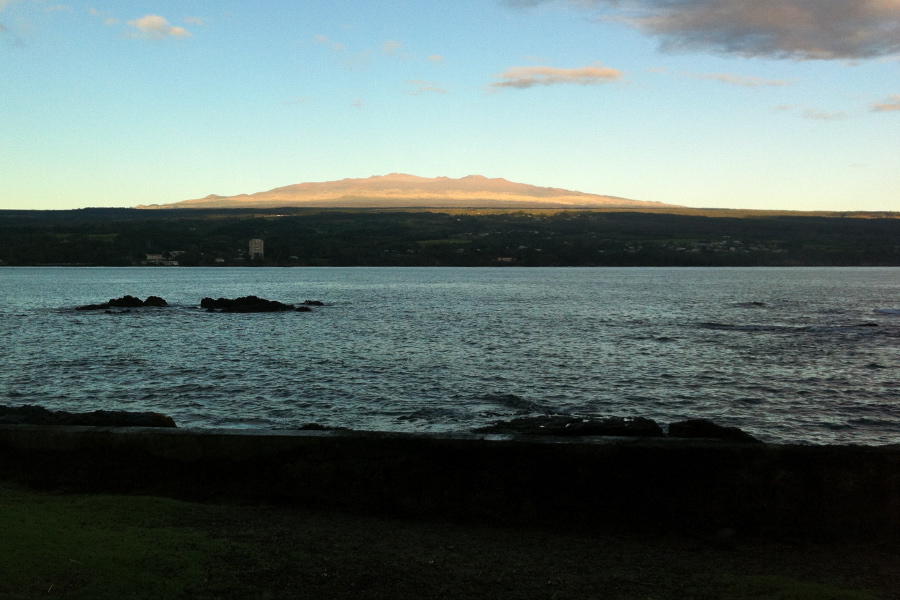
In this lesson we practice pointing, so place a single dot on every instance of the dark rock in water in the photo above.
(561, 425)
(38, 415)
(126, 301)
(313, 303)
(704, 428)
(244, 304)
(304, 309)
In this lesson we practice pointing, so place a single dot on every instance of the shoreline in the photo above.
(600, 484)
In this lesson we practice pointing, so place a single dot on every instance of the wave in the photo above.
(888, 311)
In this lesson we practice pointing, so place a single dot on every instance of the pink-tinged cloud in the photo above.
(154, 26)
(739, 80)
(526, 77)
(795, 29)
(435, 58)
(889, 105)
(424, 87)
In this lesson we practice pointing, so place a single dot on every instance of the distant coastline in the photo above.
(460, 237)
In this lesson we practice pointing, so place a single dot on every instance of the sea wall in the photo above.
(601, 484)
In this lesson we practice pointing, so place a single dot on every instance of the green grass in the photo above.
(98, 547)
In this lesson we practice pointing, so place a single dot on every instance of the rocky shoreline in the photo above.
(543, 425)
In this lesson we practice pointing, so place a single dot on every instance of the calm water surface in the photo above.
(791, 355)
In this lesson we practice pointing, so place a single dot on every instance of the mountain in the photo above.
(401, 190)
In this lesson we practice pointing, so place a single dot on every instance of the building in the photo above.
(256, 249)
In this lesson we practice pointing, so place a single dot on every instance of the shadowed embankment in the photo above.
(591, 483)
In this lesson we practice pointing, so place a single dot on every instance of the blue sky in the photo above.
(771, 104)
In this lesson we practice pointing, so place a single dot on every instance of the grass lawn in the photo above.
(96, 547)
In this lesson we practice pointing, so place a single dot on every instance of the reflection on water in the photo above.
(787, 354)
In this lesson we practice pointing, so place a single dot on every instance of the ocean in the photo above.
(790, 355)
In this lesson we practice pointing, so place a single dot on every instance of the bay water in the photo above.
(791, 355)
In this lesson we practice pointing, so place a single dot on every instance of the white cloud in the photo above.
(889, 105)
(526, 77)
(796, 29)
(154, 26)
(739, 80)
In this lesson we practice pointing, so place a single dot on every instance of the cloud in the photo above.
(526, 77)
(325, 41)
(154, 26)
(740, 80)
(5, 3)
(194, 21)
(357, 103)
(3, 28)
(795, 29)
(823, 115)
(435, 58)
(808, 112)
(59, 8)
(888, 105)
(392, 48)
(424, 87)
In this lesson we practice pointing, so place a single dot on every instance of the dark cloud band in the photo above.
(797, 29)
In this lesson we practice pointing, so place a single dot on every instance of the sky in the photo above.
(769, 104)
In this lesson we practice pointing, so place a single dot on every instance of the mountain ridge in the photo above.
(397, 190)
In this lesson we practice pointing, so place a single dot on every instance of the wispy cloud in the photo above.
(419, 87)
(3, 28)
(890, 104)
(808, 112)
(526, 77)
(796, 29)
(739, 80)
(326, 41)
(154, 26)
(59, 8)
(357, 103)
(194, 21)
(4, 4)
(392, 48)
(107, 18)
(436, 58)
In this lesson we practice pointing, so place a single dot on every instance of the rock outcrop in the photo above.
(30, 414)
(566, 426)
(704, 428)
(244, 304)
(126, 301)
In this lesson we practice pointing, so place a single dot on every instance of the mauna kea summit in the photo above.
(401, 190)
